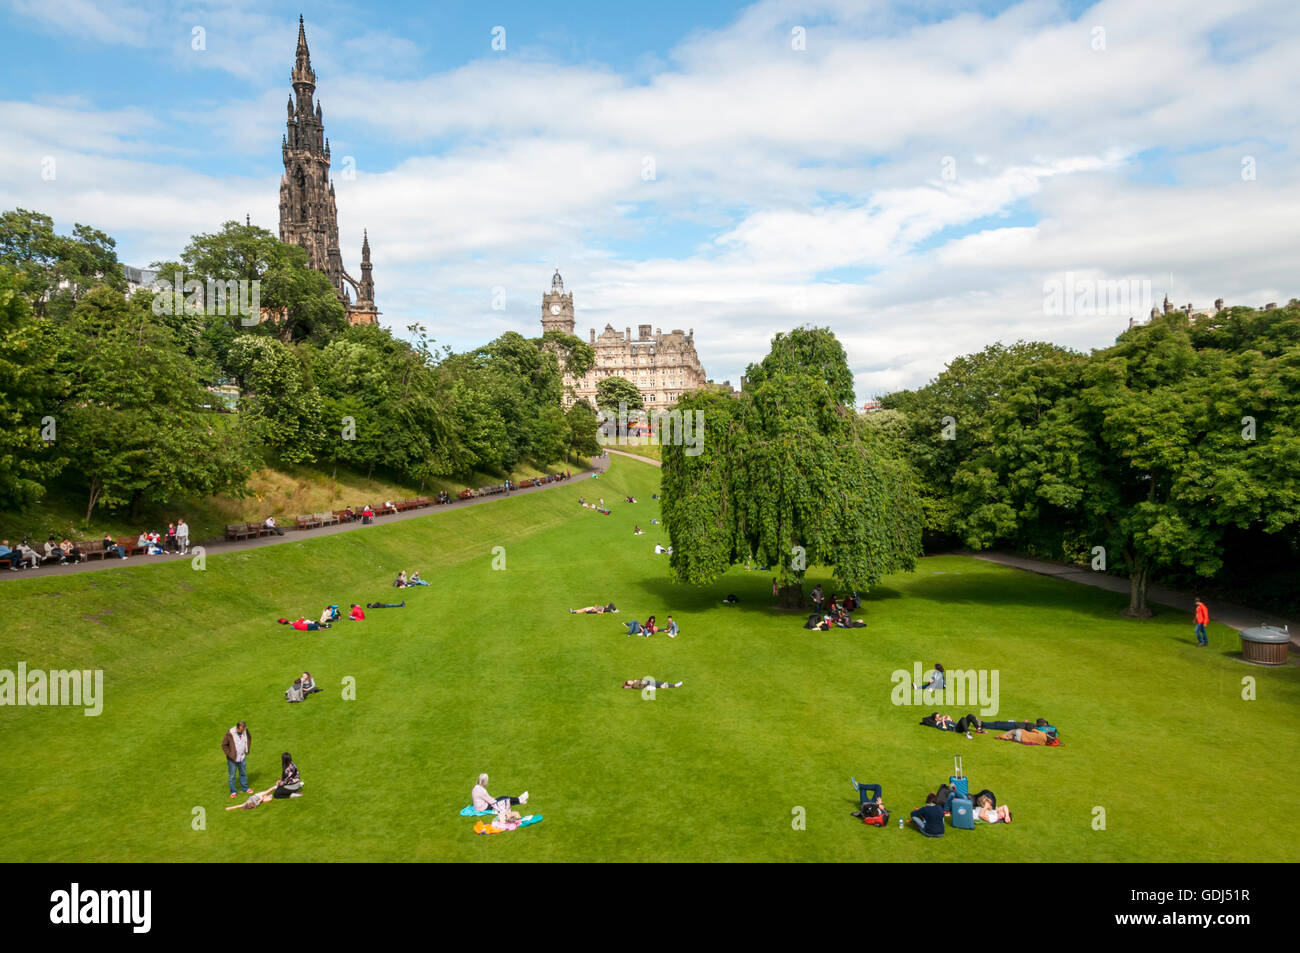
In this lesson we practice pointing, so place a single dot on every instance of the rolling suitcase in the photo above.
(963, 813)
(958, 781)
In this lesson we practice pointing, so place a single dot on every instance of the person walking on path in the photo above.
(1202, 619)
(236, 745)
(182, 536)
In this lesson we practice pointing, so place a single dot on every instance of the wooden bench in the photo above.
(238, 531)
(307, 522)
(91, 548)
(327, 519)
(341, 516)
(131, 544)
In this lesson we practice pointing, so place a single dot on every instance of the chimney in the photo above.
(593, 335)
(627, 335)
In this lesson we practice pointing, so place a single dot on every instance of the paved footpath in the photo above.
(1239, 617)
(213, 547)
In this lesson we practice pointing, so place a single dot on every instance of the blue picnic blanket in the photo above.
(468, 811)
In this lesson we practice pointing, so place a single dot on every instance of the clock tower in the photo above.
(557, 307)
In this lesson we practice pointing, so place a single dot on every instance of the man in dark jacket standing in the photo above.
(236, 746)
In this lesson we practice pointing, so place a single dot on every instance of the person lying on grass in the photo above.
(482, 801)
(303, 624)
(386, 605)
(289, 785)
(649, 682)
(1029, 737)
(961, 726)
(989, 811)
(594, 610)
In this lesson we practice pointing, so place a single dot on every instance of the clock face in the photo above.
(555, 309)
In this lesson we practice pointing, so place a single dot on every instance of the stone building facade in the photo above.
(661, 366)
(308, 216)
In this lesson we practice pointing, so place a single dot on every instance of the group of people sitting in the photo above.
(328, 617)
(929, 818)
(598, 507)
(402, 582)
(650, 627)
(301, 688)
(25, 556)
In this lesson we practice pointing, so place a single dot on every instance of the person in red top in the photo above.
(1202, 619)
(356, 615)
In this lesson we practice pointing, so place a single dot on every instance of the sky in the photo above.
(923, 178)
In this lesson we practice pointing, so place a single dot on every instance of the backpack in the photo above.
(813, 621)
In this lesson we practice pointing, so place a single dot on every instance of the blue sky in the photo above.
(910, 174)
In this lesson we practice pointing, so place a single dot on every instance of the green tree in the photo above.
(29, 392)
(277, 401)
(790, 476)
(57, 270)
(612, 392)
(131, 424)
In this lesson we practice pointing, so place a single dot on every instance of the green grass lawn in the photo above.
(486, 671)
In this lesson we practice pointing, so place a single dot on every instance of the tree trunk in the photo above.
(135, 505)
(94, 497)
(1137, 602)
(790, 597)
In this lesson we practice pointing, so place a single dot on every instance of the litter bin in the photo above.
(1265, 644)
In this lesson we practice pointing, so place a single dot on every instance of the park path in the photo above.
(216, 546)
(1238, 617)
(636, 456)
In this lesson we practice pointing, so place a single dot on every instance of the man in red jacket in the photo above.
(1202, 619)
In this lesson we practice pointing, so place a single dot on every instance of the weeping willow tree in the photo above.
(789, 475)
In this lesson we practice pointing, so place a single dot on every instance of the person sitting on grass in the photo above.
(648, 682)
(294, 692)
(415, 580)
(308, 685)
(400, 581)
(289, 785)
(630, 499)
(385, 605)
(594, 610)
(637, 531)
(650, 626)
(929, 819)
(482, 801)
(671, 628)
(936, 679)
(329, 614)
(989, 811)
(357, 614)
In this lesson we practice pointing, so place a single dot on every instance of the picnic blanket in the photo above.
(468, 811)
(482, 827)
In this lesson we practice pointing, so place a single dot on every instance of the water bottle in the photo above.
(900, 823)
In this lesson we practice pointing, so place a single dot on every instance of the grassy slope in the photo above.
(287, 492)
(486, 671)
